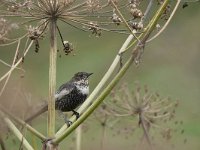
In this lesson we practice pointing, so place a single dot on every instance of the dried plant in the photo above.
(150, 109)
(106, 121)
(39, 18)
(88, 15)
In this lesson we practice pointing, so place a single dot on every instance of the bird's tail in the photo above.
(36, 114)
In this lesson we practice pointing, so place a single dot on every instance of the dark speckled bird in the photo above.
(69, 96)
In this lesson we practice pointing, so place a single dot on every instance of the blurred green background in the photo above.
(170, 66)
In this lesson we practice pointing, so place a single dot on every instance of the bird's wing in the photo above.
(64, 90)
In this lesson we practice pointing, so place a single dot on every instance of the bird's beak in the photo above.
(89, 74)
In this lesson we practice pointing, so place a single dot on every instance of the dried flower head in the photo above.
(150, 108)
(93, 5)
(68, 47)
(136, 2)
(94, 27)
(5, 28)
(88, 15)
(136, 13)
(34, 33)
(116, 19)
(136, 25)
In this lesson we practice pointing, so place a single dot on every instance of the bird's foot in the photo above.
(68, 122)
(76, 114)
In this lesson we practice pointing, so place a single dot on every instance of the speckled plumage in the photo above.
(69, 95)
(71, 100)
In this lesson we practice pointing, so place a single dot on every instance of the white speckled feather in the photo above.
(83, 89)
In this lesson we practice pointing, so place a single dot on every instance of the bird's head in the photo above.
(81, 76)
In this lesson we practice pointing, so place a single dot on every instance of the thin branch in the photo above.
(142, 21)
(124, 20)
(21, 122)
(22, 141)
(17, 133)
(103, 138)
(60, 35)
(2, 143)
(61, 134)
(147, 11)
(14, 60)
(190, 1)
(17, 63)
(101, 83)
(94, 105)
(32, 20)
(101, 28)
(6, 64)
(76, 7)
(13, 40)
(145, 130)
(167, 22)
(62, 19)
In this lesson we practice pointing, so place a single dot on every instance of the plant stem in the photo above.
(103, 138)
(101, 83)
(100, 98)
(124, 20)
(78, 137)
(2, 143)
(107, 90)
(105, 78)
(167, 22)
(33, 142)
(52, 78)
(145, 130)
(17, 63)
(17, 133)
(13, 128)
(22, 123)
(13, 63)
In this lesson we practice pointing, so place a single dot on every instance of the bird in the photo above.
(69, 96)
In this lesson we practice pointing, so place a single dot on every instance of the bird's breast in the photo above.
(83, 89)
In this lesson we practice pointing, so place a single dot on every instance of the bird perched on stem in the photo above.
(69, 96)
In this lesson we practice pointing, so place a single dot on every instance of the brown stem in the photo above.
(2, 143)
(52, 78)
(103, 137)
(145, 130)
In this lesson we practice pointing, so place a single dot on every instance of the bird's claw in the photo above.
(76, 114)
(69, 123)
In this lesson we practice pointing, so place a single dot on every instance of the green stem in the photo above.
(107, 90)
(2, 143)
(52, 79)
(101, 83)
(102, 96)
(17, 133)
(105, 78)
(124, 20)
(22, 123)
(79, 137)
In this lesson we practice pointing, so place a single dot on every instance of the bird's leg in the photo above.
(76, 114)
(67, 121)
